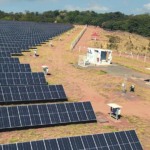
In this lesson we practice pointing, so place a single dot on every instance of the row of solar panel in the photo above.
(5, 54)
(10, 53)
(14, 49)
(23, 78)
(38, 33)
(20, 36)
(27, 35)
(15, 68)
(28, 38)
(4, 46)
(20, 75)
(22, 48)
(35, 29)
(31, 93)
(45, 115)
(27, 43)
(123, 140)
(9, 60)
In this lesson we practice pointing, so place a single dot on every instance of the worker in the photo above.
(35, 52)
(110, 58)
(123, 88)
(50, 44)
(132, 88)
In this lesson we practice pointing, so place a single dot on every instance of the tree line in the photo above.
(139, 24)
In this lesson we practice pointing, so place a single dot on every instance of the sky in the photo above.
(100, 6)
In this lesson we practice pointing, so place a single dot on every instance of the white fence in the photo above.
(73, 44)
(144, 58)
(82, 60)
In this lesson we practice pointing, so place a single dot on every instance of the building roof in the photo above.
(94, 34)
(114, 105)
(98, 49)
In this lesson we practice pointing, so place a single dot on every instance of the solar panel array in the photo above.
(45, 115)
(21, 36)
(5, 54)
(124, 140)
(15, 67)
(20, 85)
(31, 93)
(10, 50)
(9, 60)
(16, 37)
(22, 78)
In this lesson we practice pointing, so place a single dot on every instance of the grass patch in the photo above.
(110, 128)
(13, 140)
(54, 132)
(101, 72)
(132, 64)
(142, 127)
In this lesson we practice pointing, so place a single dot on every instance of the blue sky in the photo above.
(100, 6)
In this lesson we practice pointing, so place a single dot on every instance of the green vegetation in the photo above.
(101, 72)
(113, 41)
(132, 64)
(139, 24)
(141, 126)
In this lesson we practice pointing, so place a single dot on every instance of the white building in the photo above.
(99, 56)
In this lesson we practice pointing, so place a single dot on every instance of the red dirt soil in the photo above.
(75, 81)
(84, 84)
(131, 107)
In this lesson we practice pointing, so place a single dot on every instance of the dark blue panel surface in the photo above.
(15, 67)
(39, 115)
(29, 93)
(87, 142)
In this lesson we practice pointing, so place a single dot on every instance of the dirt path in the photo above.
(137, 108)
(82, 84)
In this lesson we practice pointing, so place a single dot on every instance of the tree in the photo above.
(139, 24)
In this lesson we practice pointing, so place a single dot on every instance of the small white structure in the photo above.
(45, 69)
(50, 44)
(83, 62)
(99, 56)
(115, 110)
(35, 52)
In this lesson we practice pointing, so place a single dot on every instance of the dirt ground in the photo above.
(87, 84)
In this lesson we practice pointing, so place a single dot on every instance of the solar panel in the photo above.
(45, 115)
(31, 93)
(5, 54)
(10, 50)
(19, 36)
(124, 140)
(15, 68)
(22, 78)
(9, 60)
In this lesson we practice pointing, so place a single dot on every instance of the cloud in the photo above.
(144, 9)
(3, 1)
(93, 7)
(71, 8)
(147, 7)
(10, 1)
(98, 8)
